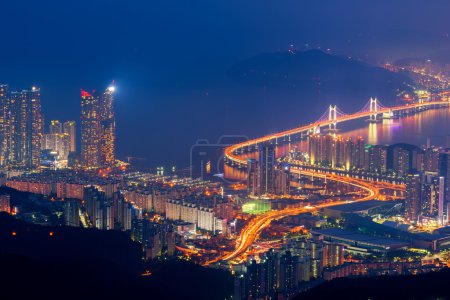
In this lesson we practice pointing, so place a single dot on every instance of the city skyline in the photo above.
(158, 69)
(225, 150)
(24, 135)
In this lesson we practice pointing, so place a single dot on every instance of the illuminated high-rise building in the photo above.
(432, 202)
(69, 128)
(108, 128)
(4, 123)
(12, 108)
(401, 161)
(417, 160)
(35, 120)
(328, 150)
(431, 160)
(267, 168)
(441, 191)
(253, 180)
(315, 252)
(333, 254)
(377, 160)
(333, 151)
(339, 152)
(24, 129)
(413, 197)
(322, 149)
(282, 182)
(261, 176)
(349, 154)
(94, 201)
(90, 130)
(314, 149)
(58, 142)
(21, 127)
(444, 170)
(71, 212)
(359, 153)
(55, 127)
(98, 129)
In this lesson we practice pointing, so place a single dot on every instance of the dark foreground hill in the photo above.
(426, 286)
(75, 263)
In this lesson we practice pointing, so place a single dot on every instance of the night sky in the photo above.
(170, 58)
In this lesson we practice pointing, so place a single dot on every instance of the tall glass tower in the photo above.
(98, 129)
(90, 130)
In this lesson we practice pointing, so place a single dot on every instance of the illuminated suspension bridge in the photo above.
(373, 110)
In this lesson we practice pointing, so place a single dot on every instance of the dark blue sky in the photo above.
(170, 57)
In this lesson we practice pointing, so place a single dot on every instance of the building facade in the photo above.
(97, 129)
(69, 128)
(21, 128)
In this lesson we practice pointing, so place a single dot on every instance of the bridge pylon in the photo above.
(332, 117)
(373, 109)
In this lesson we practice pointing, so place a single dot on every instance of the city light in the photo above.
(328, 166)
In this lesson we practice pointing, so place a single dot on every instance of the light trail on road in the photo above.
(254, 228)
(250, 233)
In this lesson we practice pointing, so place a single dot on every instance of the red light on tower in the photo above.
(85, 94)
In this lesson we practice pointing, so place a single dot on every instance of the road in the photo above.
(249, 234)
(254, 228)
(231, 152)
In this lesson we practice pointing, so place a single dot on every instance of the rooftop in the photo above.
(361, 206)
(353, 236)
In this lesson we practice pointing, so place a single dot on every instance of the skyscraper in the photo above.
(21, 127)
(69, 128)
(71, 212)
(58, 142)
(401, 161)
(413, 197)
(377, 159)
(314, 149)
(98, 129)
(253, 180)
(4, 127)
(282, 182)
(333, 254)
(441, 190)
(55, 127)
(339, 152)
(35, 127)
(90, 130)
(267, 168)
(431, 160)
(444, 170)
(108, 128)
(359, 153)
(432, 202)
